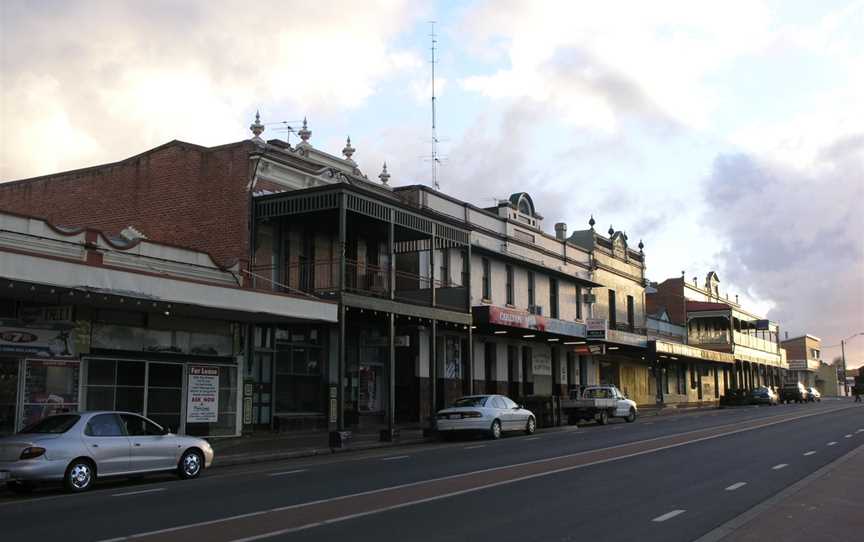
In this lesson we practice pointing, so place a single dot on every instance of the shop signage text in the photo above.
(202, 404)
(541, 365)
(45, 342)
(514, 318)
(595, 328)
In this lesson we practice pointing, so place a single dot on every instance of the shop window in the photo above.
(50, 387)
(115, 385)
(298, 381)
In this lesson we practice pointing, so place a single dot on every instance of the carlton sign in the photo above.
(502, 316)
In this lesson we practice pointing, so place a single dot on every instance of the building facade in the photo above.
(804, 356)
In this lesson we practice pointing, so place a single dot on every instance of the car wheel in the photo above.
(602, 417)
(20, 488)
(190, 465)
(495, 430)
(631, 416)
(531, 426)
(80, 475)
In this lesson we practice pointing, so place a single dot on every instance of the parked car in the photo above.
(796, 393)
(764, 396)
(814, 395)
(78, 448)
(489, 414)
(599, 403)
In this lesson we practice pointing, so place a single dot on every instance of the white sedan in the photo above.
(490, 414)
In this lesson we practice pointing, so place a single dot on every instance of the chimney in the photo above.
(736, 299)
(561, 231)
(696, 281)
(787, 335)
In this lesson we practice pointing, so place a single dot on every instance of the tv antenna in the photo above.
(436, 161)
(285, 126)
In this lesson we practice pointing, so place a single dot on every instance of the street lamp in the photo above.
(843, 356)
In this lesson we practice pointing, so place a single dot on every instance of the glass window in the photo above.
(100, 372)
(497, 402)
(165, 375)
(104, 425)
(136, 426)
(53, 424)
(553, 298)
(508, 402)
(613, 311)
(130, 373)
(471, 401)
(509, 284)
(578, 303)
(487, 279)
(531, 300)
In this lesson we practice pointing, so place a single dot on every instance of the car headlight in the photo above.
(32, 452)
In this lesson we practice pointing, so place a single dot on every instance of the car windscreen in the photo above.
(53, 424)
(470, 402)
(597, 393)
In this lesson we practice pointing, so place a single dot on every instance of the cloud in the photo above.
(86, 82)
(795, 235)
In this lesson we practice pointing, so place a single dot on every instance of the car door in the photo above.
(107, 443)
(622, 407)
(151, 448)
(518, 415)
(502, 413)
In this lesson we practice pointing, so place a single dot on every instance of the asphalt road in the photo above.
(670, 478)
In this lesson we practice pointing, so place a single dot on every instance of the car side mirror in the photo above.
(166, 430)
(517, 407)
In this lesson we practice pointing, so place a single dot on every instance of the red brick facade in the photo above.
(178, 193)
(669, 295)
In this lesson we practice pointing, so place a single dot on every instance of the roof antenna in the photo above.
(435, 159)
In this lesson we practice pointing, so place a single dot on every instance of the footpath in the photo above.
(826, 505)
(264, 447)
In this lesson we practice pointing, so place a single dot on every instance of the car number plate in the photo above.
(4, 474)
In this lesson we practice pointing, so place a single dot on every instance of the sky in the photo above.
(728, 136)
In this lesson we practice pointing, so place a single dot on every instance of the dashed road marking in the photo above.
(392, 458)
(296, 471)
(533, 438)
(138, 492)
(811, 452)
(780, 466)
(668, 515)
(832, 443)
(847, 436)
(735, 486)
(474, 447)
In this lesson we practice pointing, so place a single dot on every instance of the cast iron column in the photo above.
(340, 394)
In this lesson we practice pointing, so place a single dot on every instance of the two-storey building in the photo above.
(804, 357)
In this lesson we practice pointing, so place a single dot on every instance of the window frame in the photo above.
(487, 278)
(509, 286)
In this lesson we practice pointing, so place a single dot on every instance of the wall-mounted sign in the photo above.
(541, 365)
(595, 328)
(202, 396)
(503, 316)
(44, 342)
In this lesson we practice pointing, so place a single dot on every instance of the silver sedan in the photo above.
(75, 448)
(490, 414)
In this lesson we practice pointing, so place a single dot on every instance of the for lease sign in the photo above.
(202, 396)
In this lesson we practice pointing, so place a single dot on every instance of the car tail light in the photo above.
(32, 452)
(472, 414)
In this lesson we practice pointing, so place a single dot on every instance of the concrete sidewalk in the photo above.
(278, 446)
(826, 505)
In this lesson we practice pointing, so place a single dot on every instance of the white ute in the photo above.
(599, 403)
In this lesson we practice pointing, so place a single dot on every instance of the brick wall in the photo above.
(177, 193)
(670, 294)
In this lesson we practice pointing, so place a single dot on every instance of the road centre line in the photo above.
(811, 452)
(832, 443)
(668, 515)
(138, 492)
(532, 438)
(394, 457)
(735, 429)
(296, 471)
(736, 485)
(780, 466)
(847, 436)
(474, 447)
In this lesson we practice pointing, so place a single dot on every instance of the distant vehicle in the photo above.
(77, 448)
(492, 415)
(794, 393)
(814, 395)
(599, 403)
(764, 396)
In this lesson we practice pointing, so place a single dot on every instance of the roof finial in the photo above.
(384, 176)
(348, 151)
(591, 222)
(305, 133)
(611, 230)
(641, 245)
(256, 127)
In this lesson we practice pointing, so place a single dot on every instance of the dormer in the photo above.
(520, 208)
(712, 283)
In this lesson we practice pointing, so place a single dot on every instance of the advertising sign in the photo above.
(202, 405)
(43, 342)
(514, 318)
(541, 365)
(595, 328)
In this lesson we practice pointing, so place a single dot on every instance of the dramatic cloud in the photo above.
(85, 82)
(794, 236)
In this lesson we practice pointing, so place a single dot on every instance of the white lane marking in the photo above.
(392, 458)
(774, 421)
(811, 452)
(780, 466)
(860, 431)
(138, 492)
(287, 472)
(533, 438)
(668, 515)
(474, 447)
(847, 436)
(735, 486)
(832, 443)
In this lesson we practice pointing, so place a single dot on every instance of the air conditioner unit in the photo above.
(536, 309)
(589, 298)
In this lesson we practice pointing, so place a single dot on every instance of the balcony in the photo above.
(756, 343)
(718, 338)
